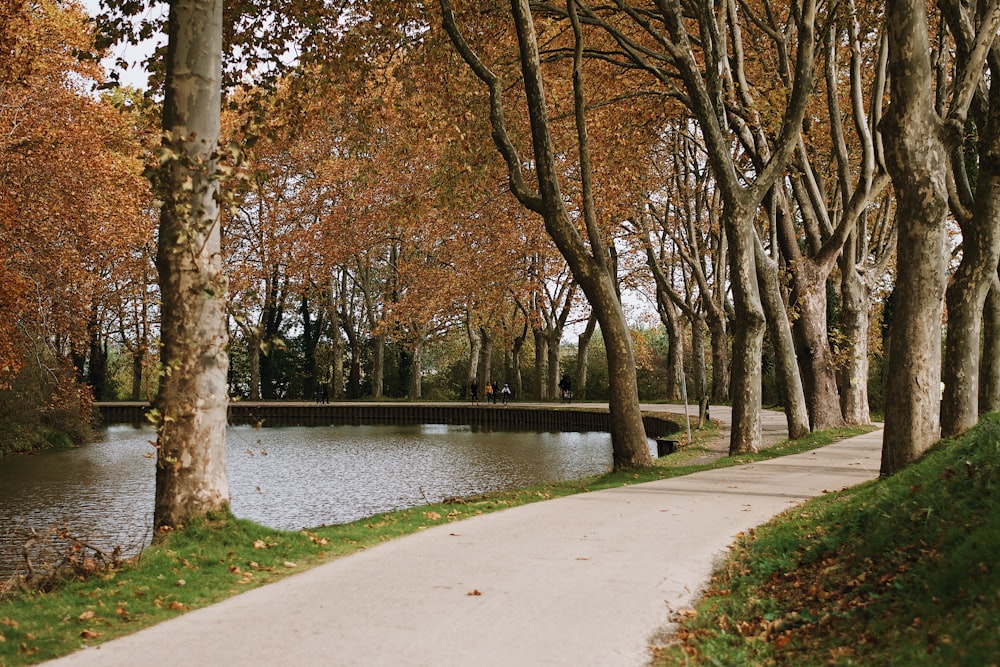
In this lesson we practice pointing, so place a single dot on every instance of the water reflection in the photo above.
(284, 477)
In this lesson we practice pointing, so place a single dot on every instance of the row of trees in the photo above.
(730, 163)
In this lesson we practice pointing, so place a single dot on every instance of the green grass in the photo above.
(223, 556)
(899, 571)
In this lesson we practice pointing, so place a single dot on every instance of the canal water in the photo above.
(282, 477)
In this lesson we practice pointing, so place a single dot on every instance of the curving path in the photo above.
(590, 579)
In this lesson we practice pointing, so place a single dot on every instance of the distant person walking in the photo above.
(566, 388)
(488, 392)
(474, 392)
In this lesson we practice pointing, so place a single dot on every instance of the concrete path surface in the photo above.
(590, 579)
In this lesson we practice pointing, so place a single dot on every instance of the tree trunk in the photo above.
(796, 413)
(192, 401)
(485, 358)
(378, 367)
(552, 350)
(582, 349)
(854, 321)
(335, 373)
(698, 376)
(138, 356)
(515, 366)
(253, 358)
(917, 160)
(587, 259)
(819, 380)
(311, 332)
(475, 346)
(675, 347)
(719, 338)
(989, 361)
(748, 333)
(967, 290)
(540, 392)
(417, 370)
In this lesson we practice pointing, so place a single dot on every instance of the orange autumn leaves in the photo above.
(69, 183)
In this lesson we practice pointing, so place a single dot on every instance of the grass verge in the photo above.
(898, 571)
(223, 556)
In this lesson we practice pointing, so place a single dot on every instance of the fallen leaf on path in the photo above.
(475, 591)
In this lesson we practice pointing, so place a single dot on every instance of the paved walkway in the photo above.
(590, 579)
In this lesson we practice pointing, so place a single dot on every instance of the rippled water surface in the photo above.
(283, 477)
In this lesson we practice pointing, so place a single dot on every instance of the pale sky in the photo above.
(134, 55)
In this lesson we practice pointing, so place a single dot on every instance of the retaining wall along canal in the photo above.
(514, 417)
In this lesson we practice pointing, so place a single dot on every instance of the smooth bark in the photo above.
(796, 413)
(193, 397)
(917, 160)
(989, 361)
(586, 256)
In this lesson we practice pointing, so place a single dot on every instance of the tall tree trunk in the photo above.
(967, 290)
(917, 160)
(336, 370)
(819, 380)
(854, 321)
(485, 357)
(417, 370)
(540, 390)
(475, 347)
(193, 400)
(253, 357)
(796, 413)
(989, 361)
(699, 378)
(582, 349)
(515, 365)
(552, 365)
(719, 338)
(378, 366)
(312, 377)
(587, 257)
(675, 346)
(97, 371)
(138, 356)
(748, 333)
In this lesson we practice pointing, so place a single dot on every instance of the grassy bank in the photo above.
(900, 571)
(223, 556)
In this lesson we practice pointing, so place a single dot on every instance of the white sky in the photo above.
(134, 55)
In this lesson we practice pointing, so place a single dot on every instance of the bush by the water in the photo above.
(43, 409)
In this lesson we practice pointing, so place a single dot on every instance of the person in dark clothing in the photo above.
(565, 388)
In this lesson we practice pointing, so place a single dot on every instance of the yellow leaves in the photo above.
(433, 516)
(316, 539)
(85, 616)
(89, 634)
